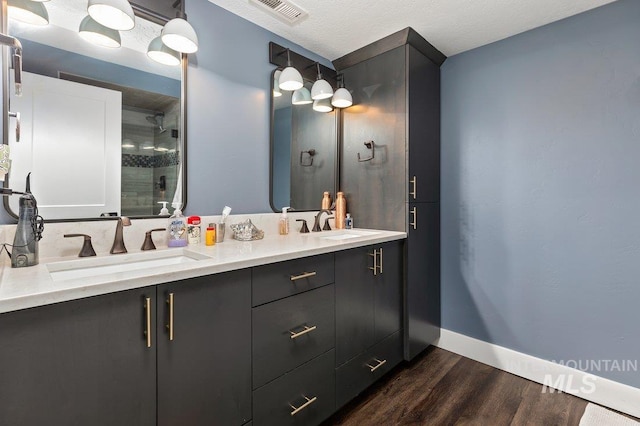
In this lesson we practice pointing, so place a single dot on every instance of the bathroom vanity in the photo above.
(285, 330)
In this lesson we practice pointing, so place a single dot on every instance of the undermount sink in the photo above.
(96, 266)
(345, 234)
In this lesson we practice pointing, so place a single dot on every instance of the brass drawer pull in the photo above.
(170, 325)
(309, 401)
(303, 275)
(414, 223)
(306, 330)
(374, 268)
(147, 331)
(380, 364)
(414, 192)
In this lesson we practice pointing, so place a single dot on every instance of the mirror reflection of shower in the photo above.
(150, 153)
(157, 120)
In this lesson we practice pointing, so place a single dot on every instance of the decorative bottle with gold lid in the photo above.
(341, 210)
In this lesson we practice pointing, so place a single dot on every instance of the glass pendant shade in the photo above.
(342, 98)
(322, 105)
(180, 36)
(98, 34)
(321, 89)
(276, 90)
(114, 14)
(301, 97)
(163, 54)
(290, 79)
(27, 11)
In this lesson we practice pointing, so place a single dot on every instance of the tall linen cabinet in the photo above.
(390, 164)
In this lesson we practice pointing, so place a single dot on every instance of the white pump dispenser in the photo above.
(283, 223)
(164, 210)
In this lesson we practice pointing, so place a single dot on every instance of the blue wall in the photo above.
(228, 112)
(541, 190)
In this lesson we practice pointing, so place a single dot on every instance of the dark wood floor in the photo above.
(443, 388)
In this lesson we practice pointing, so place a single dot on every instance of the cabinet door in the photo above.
(204, 373)
(84, 362)
(422, 285)
(378, 85)
(423, 92)
(388, 290)
(354, 303)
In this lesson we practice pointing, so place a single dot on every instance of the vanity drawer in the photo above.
(305, 396)
(362, 371)
(289, 332)
(278, 280)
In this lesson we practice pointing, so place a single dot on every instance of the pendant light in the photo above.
(178, 34)
(98, 34)
(342, 97)
(322, 105)
(27, 11)
(301, 97)
(114, 14)
(276, 90)
(161, 53)
(321, 89)
(290, 79)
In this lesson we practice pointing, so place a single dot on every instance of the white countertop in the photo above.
(22, 288)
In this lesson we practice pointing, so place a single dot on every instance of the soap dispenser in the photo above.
(283, 223)
(164, 211)
(177, 228)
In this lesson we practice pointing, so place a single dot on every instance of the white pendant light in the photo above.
(114, 14)
(322, 105)
(301, 97)
(27, 11)
(290, 79)
(321, 89)
(178, 34)
(276, 90)
(342, 97)
(161, 53)
(98, 34)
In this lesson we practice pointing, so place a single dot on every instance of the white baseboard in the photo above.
(606, 392)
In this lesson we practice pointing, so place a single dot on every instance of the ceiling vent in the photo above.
(283, 10)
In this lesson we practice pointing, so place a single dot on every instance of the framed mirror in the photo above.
(101, 130)
(304, 147)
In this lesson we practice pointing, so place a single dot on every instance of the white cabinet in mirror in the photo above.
(101, 129)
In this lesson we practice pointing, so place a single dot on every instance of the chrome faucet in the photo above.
(118, 240)
(316, 224)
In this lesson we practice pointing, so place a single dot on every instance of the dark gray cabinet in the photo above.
(204, 350)
(109, 359)
(83, 362)
(422, 295)
(302, 397)
(368, 316)
(195, 352)
(368, 297)
(396, 88)
(289, 332)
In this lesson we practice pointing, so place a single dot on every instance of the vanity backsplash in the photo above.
(54, 245)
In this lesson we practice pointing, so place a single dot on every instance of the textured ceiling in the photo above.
(337, 27)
